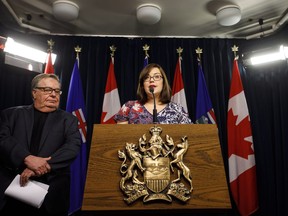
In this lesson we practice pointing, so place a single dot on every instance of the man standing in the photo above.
(38, 142)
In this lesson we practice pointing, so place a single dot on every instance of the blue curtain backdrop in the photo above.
(265, 87)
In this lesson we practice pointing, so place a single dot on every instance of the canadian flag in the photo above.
(111, 103)
(49, 69)
(241, 158)
(178, 92)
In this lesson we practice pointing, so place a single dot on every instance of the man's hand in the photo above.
(25, 176)
(39, 165)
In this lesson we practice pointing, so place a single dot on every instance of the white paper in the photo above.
(42, 185)
(33, 193)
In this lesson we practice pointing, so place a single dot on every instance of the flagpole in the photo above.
(50, 44)
(179, 51)
(146, 49)
(112, 49)
(78, 50)
(235, 50)
(198, 52)
(49, 66)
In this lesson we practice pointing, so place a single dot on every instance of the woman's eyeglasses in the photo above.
(156, 77)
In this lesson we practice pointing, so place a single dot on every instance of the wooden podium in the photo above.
(204, 159)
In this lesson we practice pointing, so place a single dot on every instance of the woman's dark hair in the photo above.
(165, 95)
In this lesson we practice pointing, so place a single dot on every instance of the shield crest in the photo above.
(157, 173)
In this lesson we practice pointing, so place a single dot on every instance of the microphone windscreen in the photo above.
(151, 89)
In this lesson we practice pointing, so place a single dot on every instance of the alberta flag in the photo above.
(204, 109)
(145, 61)
(241, 157)
(178, 92)
(76, 106)
(111, 103)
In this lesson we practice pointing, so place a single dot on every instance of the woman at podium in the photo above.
(153, 104)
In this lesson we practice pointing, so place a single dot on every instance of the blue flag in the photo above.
(145, 61)
(204, 109)
(76, 106)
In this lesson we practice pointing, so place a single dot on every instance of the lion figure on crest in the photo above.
(128, 171)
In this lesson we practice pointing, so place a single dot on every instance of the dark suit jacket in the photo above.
(60, 139)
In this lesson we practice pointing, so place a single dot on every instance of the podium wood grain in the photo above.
(204, 158)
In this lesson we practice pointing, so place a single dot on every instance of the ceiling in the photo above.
(180, 18)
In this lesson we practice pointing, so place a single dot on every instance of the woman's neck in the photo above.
(151, 101)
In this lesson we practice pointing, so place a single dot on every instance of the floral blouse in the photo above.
(135, 113)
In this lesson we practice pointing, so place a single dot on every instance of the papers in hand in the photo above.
(33, 193)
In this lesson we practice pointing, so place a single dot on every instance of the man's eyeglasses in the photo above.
(156, 77)
(48, 90)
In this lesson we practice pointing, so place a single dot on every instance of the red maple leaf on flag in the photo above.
(243, 148)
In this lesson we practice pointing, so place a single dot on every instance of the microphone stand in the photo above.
(155, 121)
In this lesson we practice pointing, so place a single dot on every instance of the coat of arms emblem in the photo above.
(147, 167)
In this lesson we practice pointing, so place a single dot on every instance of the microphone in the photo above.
(155, 121)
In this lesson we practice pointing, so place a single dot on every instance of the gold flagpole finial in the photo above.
(113, 49)
(146, 48)
(198, 52)
(77, 50)
(235, 50)
(50, 44)
(179, 51)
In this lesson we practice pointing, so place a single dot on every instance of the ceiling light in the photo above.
(148, 14)
(65, 10)
(228, 15)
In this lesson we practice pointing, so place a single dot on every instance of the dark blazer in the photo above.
(60, 139)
